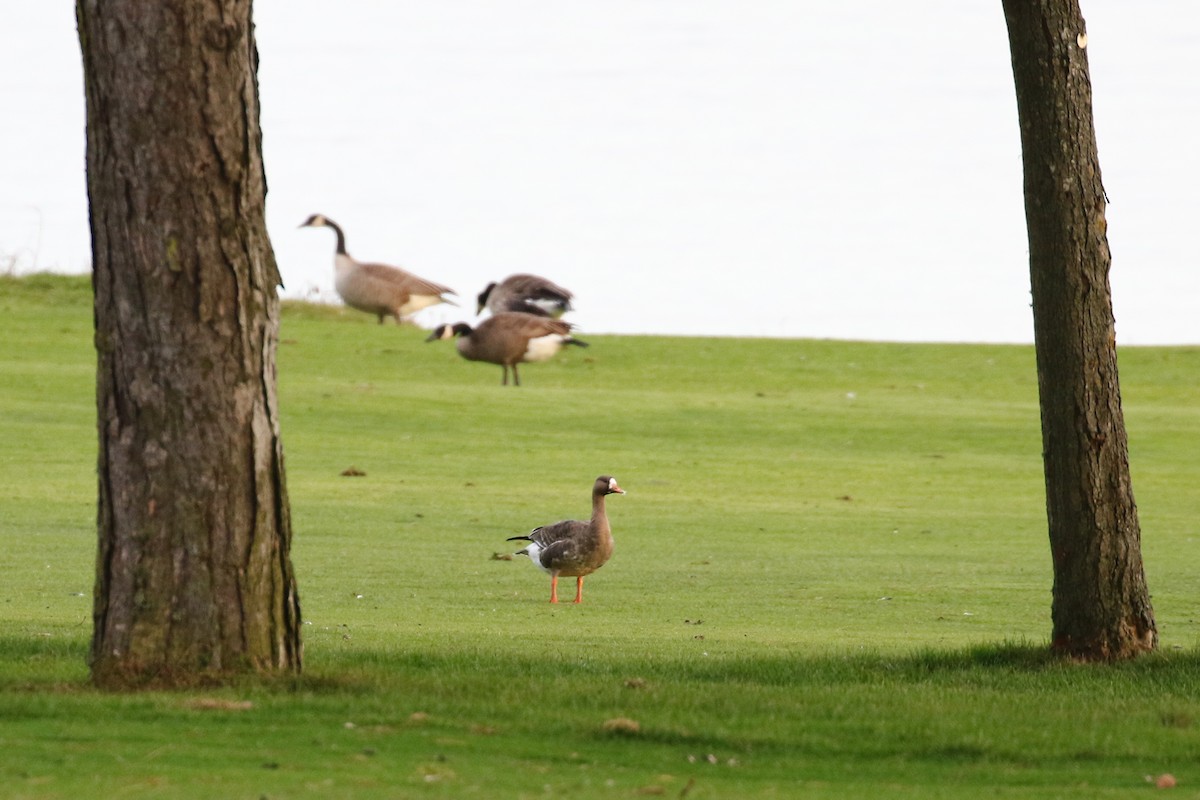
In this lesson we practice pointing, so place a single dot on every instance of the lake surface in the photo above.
(685, 166)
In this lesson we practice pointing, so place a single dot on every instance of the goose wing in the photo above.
(403, 279)
(537, 292)
(559, 543)
(528, 326)
(565, 531)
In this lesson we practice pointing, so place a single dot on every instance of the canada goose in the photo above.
(508, 339)
(574, 547)
(532, 294)
(377, 288)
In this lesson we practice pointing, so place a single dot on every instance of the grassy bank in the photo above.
(831, 579)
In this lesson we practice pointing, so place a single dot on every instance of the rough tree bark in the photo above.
(1101, 606)
(193, 573)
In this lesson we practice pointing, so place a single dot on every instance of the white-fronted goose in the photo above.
(574, 547)
(378, 288)
(508, 339)
(532, 294)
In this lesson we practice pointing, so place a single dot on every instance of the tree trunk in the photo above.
(193, 574)
(1101, 606)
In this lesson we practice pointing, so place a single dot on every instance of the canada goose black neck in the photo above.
(483, 297)
(341, 237)
(322, 221)
(447, 331)
(507, 339)
(378, 289)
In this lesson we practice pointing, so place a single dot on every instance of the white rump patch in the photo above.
(418, 301)
(534, 551)
(543, 347)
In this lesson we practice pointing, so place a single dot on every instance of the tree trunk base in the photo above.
(1130, 642)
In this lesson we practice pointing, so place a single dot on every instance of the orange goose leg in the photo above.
(579, 589)
(553, 588)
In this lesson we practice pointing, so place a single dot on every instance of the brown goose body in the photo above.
(574, 548)
(508, 339)
(378, 289)
(532, 294)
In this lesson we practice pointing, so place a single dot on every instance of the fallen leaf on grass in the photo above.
(433, 773)
(621, 726)
(352, 472)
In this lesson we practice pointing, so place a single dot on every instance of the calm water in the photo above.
(686, 166)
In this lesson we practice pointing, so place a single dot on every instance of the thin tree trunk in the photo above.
(1101, 606)
(193, 573)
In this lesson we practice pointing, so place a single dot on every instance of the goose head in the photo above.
(607, 484)
(449, 331)
(317, 221)
(483, 297)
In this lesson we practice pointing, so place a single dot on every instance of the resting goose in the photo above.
(508, 339)
(378, 288)
(574, 547)
(532, 294)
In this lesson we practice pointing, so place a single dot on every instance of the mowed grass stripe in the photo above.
(831, 578)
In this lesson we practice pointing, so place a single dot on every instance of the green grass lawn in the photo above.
(832, 577)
